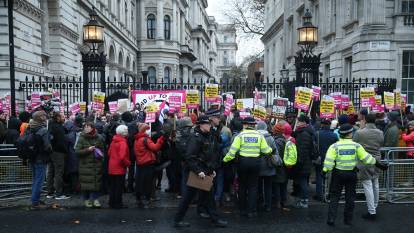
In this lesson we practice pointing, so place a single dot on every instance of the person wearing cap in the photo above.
(372, 139)
(392, 131)
(325, 137)
(341, 158)
(249, 145)
(202, 161)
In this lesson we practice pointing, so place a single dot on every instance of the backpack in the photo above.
(28, 146)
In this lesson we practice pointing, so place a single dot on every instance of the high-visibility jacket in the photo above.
(345, 154)
(290, 155)
(249, 143)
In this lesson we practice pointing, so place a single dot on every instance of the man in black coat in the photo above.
(56, 166)
(304, 136)
(202, 161)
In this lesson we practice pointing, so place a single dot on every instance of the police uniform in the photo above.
(249, 145)
(342, 158)
(199, 157)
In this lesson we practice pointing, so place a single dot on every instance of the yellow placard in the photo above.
(397, 93)
(303, 97)
(98, 97)
(183, 108)
(389, 100)
(82, 106)
(378, 100)
(367, 92)
(327, 107)
(152, 107)
(259, 112)
(192, 97)
(351, 108)
(211, 90)
(239, 104)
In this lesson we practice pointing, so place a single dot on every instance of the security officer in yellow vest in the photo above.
(341, 158)
(248, 146)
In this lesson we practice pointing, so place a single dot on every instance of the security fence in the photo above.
(71, 88)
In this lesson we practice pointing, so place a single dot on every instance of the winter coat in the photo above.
(59, 143)
(304, 145)
(3, 131)
(43, 155)
(72, 162)
(13, 131)
(281, 173)
(324, 139)
(265, 169)
(371, 139)
(90, 169)
(145, 152)
(409, 140)
(391, 135)
(118, 154)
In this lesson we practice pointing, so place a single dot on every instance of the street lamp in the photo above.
(92, 31)
(284, 73)
(308, 34)
(257, 75)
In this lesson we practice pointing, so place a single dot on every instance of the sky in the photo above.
(246, 46)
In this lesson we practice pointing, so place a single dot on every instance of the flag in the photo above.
(164, 108)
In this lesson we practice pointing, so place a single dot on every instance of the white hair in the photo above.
(122, 130)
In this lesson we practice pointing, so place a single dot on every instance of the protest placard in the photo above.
(327, 107)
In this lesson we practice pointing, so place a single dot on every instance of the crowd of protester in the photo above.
(117, 153)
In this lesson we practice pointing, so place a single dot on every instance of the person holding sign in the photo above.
(200, 164)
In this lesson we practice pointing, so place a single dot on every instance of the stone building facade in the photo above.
(227, 48)
(357, 38)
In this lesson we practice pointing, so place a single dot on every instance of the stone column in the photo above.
(45, 26)
(160, 19)
(185, 73)
(182, 29)
(174, 21)
(143, 22)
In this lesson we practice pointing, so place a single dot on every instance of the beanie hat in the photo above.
(278, 128)
(37, 116)
(287, 130)
(393, 116)
(142, 127)
(122, 130)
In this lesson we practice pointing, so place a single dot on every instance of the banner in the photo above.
(145, 97)
(259, 112)
(192, 99)
(113, 106)
(389, 100)
(367, 97)
(327, 107)
(344, 102)
(303, 98)
(211, 91)
(228, 104)
(316, 93)
(397, 94)
(279, 107)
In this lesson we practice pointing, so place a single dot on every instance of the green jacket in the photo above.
(90, 169)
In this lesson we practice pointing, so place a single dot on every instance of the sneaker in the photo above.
(62, 197)
(50, 196)
(302, 204)
(370, 217)
(88, 204)
(97, 204)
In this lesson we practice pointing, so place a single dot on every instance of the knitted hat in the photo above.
(278, 128)
(393, 116)
(142, 127)
(287, 129)
(37, 116)
(122, 130)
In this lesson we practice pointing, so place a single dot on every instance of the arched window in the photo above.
(167, 27)
(151, 25)
(167, 75)
(152, 74)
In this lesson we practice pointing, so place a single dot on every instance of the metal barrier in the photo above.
(15, 177)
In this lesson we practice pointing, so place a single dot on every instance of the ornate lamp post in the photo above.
(306, 63)
(258, 80)
(93, 57)
(284, 74)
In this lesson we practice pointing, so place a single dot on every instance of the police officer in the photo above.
(341, 158)
(200, 159)
(249, 144)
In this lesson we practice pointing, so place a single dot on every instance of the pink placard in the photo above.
(316, 93)
(338, 99)
(113, 106)
(345, 102)
(366, 103)
(327, 115)
(74, 108)
(228, 104)
(175, 102)
(378, 108)
(244, 115)
(150, 117)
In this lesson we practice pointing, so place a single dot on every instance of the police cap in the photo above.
(345, 129)
(203, 120)
(249, 121)
(213, 113)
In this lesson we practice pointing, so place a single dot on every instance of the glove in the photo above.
(201, 175)
(381, 165)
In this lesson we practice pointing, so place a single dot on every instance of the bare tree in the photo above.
(247, 16)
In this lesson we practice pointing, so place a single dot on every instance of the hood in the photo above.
(14, 123)
(287, 129)
(118, 138)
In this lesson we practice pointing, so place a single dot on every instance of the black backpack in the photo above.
(28, 145)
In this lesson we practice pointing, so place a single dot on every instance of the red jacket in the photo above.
(118, 154)
(409, 140)
(145, 154)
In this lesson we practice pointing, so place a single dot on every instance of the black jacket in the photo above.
(304, 145)
(13, 131)
(59, 143)
(42, 141)
(200, 156)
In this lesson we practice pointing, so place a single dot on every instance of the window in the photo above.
(126, 15)
(407, 85)
(167, 75)
(152, 74)
(167, 27)
(132, 22)
(348, 68)
(225, 39)
(151, 25)
(226, 61)
(407, 6)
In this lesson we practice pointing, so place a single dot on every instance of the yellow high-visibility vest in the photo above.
(290, 156)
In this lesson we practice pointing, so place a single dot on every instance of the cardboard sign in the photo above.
(303, 98)
(192, 99)
(316, 93)
(150, 117)
(367, 96)
(242, 104)
(239, 104)
(378, 108)
(327, 107)
(183, 108)
(279, 107)
(175, 102)
(211, 92)
(153, 107)
(259, 112)
(337, 96)
(378, 100)
(198, 183)
(389, 100)
(123, 105)
(113, 106)
(260, 98)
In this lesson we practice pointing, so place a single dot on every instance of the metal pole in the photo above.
(11, 58)
(85, 82)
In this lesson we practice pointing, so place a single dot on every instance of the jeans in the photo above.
(87, 195)
(371, 190)
(302, 182)
(38, 177)
(280, 191)
(55, 173)
(219, 184)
